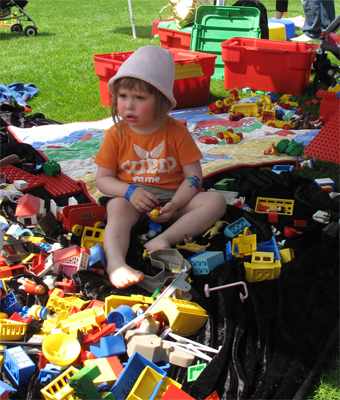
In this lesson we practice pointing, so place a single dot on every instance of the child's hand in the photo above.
(143, 201)
(166, 213)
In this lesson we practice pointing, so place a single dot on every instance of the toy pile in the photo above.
(245, 308)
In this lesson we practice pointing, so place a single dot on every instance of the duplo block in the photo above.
(206, 262)
(19, 365)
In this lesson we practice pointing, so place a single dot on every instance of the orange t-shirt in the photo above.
(153, 160)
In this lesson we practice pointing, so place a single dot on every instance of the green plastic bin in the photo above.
(215, 24)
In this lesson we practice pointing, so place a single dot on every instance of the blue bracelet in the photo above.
(129, 191)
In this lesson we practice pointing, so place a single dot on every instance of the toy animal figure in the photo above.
(215, 229)
(193, 247)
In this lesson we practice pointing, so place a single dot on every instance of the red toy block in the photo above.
(60, 185)
(42, 361)
(300, 222)
(175, 393)
(95, 304)
(329, 105)
(213, 396)
(16, 317)
(273, 217)
(5, 272)
(14, 174)
(115, 364)
(106, 329)
(67, 285)
(326, 143)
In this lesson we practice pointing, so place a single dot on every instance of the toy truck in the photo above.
(229, 136)
(76, 217)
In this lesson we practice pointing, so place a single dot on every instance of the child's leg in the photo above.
(200, 214)
(121, 216)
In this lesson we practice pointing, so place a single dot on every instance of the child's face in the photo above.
(137, 108)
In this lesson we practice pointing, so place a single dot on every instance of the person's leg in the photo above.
(281, 8)
(121, 216)
(200, 214)
(327, 13)
(312, 10)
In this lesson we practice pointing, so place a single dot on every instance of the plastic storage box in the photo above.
(268, 65)
(172, 37)
(193, 71)
(215, 24)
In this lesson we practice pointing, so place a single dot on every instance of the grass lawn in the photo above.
(59, 62)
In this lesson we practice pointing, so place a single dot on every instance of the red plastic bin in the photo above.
(188, 91)
(172, 37)
(268, 65)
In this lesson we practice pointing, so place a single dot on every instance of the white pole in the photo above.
(132, 21)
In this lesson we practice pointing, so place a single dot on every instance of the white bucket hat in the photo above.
(151, 64)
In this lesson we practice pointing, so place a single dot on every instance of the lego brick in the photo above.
(59, 387)
(146, 385)
(108, 346)
(269, 246)
(130, 374)
(14, 174)
(19, 365)
(206, 262)
(60, 185)
(174, 392)
(326, 143)
(282, 168)
(83, 385)
(235, 228)
(9, 304)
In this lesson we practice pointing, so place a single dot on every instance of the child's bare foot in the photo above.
(124, 276)
(157, 243)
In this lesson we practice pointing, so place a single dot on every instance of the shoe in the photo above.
(304, 38)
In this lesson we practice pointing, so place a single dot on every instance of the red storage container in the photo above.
(172, 37)
(268, 65)
(193, 71)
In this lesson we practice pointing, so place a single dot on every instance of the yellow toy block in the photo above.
(247, 109)
(145, 384)
(12, 330)
(84, 321)
(244, 245)
(112, 302)
(92, 236)
(57, 304)
(281, 206)
(2, 349)
(106, 372)
(262, 267)
(165, 386)
(36, 239)
(28, 258)
(287, 255)
(59, 389)
(184, 317)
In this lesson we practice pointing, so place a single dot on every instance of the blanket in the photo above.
(75, 145)
(272, 345)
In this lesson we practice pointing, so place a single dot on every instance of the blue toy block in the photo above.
(128, 377)
(19, 365)
(20, 232)
(121, 316)
(97, 256)
(289, 26)
(270, 247)
(10, 305)
(228, 251)
(5, 388)
(155, 227)
(282, 168)
(206, 262)
(4, 226)
(236, 227)
(109, 345)
(46, 376)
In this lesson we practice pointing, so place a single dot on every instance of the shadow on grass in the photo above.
(15, 35)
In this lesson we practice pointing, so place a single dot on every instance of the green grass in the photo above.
(59, 62)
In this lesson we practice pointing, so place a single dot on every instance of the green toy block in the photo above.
(282, 145)
(225, 184)
(82, 383)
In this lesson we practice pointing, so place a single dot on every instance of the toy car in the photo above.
(229, 136)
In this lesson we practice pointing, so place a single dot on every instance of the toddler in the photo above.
(147, 160)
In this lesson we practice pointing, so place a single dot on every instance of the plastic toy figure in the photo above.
(215, 229)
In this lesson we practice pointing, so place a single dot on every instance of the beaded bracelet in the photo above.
(129, 191)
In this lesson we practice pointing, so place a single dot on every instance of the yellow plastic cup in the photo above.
(61, 349)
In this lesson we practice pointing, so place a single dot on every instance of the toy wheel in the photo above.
(219, 103)
(239, 134)
(77, 230)
(312, 118)
(231, 130)
(286, 127)
(99, 225)
(30, 30)
(16, 28)
(220, 135)
(272, 124)
(321, 81)
(229, 140)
